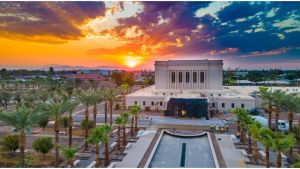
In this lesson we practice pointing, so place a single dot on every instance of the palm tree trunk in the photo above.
(56, 148)
(95, 115)
(291, 118)
(255, 154)
(119, 139)
(22, 143)
(56, 130)
(242, 136)
(86, 127)
(276, 120)
(267, 157)
(249, 143)
(270, 118)
(70, 129)
(135, 127)
(299, 134)
(124, 136)
(110, 112)
(105, 112)
(278, 160)
(97, 156)
(238, 126)
(106, 154)
(71, 163)
(131, 130)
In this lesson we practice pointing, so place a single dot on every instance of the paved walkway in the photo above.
(158, 120)
(136, 151)
(232, 156)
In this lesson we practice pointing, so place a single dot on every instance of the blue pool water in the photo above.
(169, 151)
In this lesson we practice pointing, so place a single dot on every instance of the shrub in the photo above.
(43, 123)
(118, 107)
(10, 143)
(43, 145)
(90, 124)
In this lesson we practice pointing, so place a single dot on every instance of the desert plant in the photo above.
(43, 145)
(23, 119)
(69, 154)
(10, 143)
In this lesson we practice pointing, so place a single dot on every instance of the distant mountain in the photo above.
(62, 67)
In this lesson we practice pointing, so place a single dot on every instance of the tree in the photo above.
(124, 116)
(71, 105)
(43, 145)
(278, 97)
(267, 102)
(254, 130)
(57, 107)
(119, 122)
(117, 78)
(23, 119)
(43, 122)
(295, 131)
(10, 143)
(100, 135)
(86, 100)
(124, 90)
(5, 98)
(97, 97)
(266, 135)
(69, 154)
(135, 110)
(65, 122)
(281, 143)
(110, 97)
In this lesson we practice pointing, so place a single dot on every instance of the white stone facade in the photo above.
(189, 79)
(189, 74)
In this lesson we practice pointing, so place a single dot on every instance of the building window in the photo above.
(219, 95)
(195, 77)
(211, 94)
(223, 105)
(201, 77)
(187, 77)
(214, 104)
(173, 77)
(152, 103)
(160, 103)
(232, 105)
(164, 93)
(171, 94)
(243, 105)
(135, 102)
(144, 103)
(180, 77)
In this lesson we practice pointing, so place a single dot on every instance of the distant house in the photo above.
(274, 82)
(83, 77)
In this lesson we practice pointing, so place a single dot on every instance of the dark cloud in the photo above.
(58, 19)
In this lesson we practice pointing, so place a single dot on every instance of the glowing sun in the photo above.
(132, 61)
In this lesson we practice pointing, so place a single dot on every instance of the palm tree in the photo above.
(254, 130)
(69, 154)
(124, 89)
(267, 102)
(281, 143)
(71, 105)
(110, 96)
(135, 110)
(124, 116)
(97, 97)
(23, 119)
(119, 122)
(57, 107)
(278, 96)
(86, 100)
(241, 115)
(100, 135)
(265, 135)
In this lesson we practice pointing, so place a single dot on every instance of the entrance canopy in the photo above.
(191, 107)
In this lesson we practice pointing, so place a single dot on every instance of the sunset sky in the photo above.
(135, 34)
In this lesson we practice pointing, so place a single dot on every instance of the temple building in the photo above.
(189, 88)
